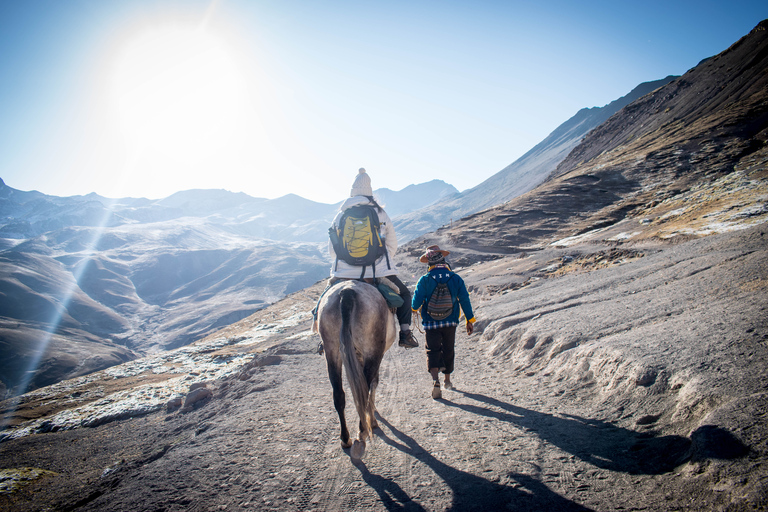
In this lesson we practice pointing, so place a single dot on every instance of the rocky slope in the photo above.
(524, 174)
(620, 360)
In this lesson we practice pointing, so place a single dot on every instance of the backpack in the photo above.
(357, 240)
(440, 303)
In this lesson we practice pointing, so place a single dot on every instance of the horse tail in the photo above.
(355, 375)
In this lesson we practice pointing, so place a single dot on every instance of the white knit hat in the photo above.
(362, 185)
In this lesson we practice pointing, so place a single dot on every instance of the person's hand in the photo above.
(470, 328)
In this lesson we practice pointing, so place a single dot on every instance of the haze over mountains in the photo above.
(116, 278)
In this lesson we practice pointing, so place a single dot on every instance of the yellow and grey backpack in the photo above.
(357, 239)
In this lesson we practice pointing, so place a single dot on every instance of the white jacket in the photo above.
(384, 266)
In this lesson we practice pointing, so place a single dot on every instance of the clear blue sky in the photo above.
(145, 98)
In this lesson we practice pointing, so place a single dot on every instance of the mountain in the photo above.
(523, 175)
(650, 163)
(619, 357)
(402, 202)
(91, 282)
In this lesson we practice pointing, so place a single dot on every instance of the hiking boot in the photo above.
(407, 340)
(436, 393)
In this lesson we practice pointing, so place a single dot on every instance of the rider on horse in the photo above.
(362, 194)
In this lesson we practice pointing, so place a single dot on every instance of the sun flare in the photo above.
(178, 93)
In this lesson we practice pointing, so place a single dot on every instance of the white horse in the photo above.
(357, 328)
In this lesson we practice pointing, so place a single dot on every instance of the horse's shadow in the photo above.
(470, 492)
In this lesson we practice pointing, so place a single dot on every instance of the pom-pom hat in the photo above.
(362, 185)
(433, 255)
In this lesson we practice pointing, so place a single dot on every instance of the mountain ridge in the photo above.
(524, 174)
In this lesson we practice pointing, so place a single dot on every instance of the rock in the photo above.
(711, 442)
(196, 395)
(174, 403)
(646, 377)
(648, 419)
(197, 385)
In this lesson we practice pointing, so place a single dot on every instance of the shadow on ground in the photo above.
(470, 492)
(607, 446)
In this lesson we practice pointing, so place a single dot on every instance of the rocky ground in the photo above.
(624, 377)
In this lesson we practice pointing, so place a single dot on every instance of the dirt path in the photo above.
(271, 443)
(472, 450)
(488, 445)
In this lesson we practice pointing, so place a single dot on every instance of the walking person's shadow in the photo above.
(470, 492)
(607, 446)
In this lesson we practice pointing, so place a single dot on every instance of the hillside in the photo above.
(523, 175)
(686, 160)
(619, 362)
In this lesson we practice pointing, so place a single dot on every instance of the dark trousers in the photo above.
(441, 343)
(404, 312)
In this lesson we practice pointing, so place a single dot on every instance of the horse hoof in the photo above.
(358, 449)
(345, 445)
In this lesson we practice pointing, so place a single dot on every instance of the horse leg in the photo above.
(374, 385)
(339, 400)
(371, 371)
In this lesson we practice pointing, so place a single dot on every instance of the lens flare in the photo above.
(178, 93)
(64, 299)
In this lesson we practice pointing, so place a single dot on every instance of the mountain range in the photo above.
(523, 174)
(90, 282)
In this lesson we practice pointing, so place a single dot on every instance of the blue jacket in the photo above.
(427, 284)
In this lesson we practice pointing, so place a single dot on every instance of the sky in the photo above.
(145, 98)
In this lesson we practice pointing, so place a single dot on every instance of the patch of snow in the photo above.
(571, 240)
(673, 213)
(623, 236)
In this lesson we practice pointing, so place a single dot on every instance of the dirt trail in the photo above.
(271, 443)
(491, 444)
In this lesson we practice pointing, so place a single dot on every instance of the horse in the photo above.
(357, 327)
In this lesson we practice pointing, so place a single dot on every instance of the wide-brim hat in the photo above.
(433, 254)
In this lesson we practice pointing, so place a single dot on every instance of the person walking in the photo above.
(441, 295)
(361, 194)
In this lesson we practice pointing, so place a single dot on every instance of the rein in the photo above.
(417, 314)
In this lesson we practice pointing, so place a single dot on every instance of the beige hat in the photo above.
(362, 185)
(433, 255)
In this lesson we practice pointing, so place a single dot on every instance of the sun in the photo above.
(179, 93)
